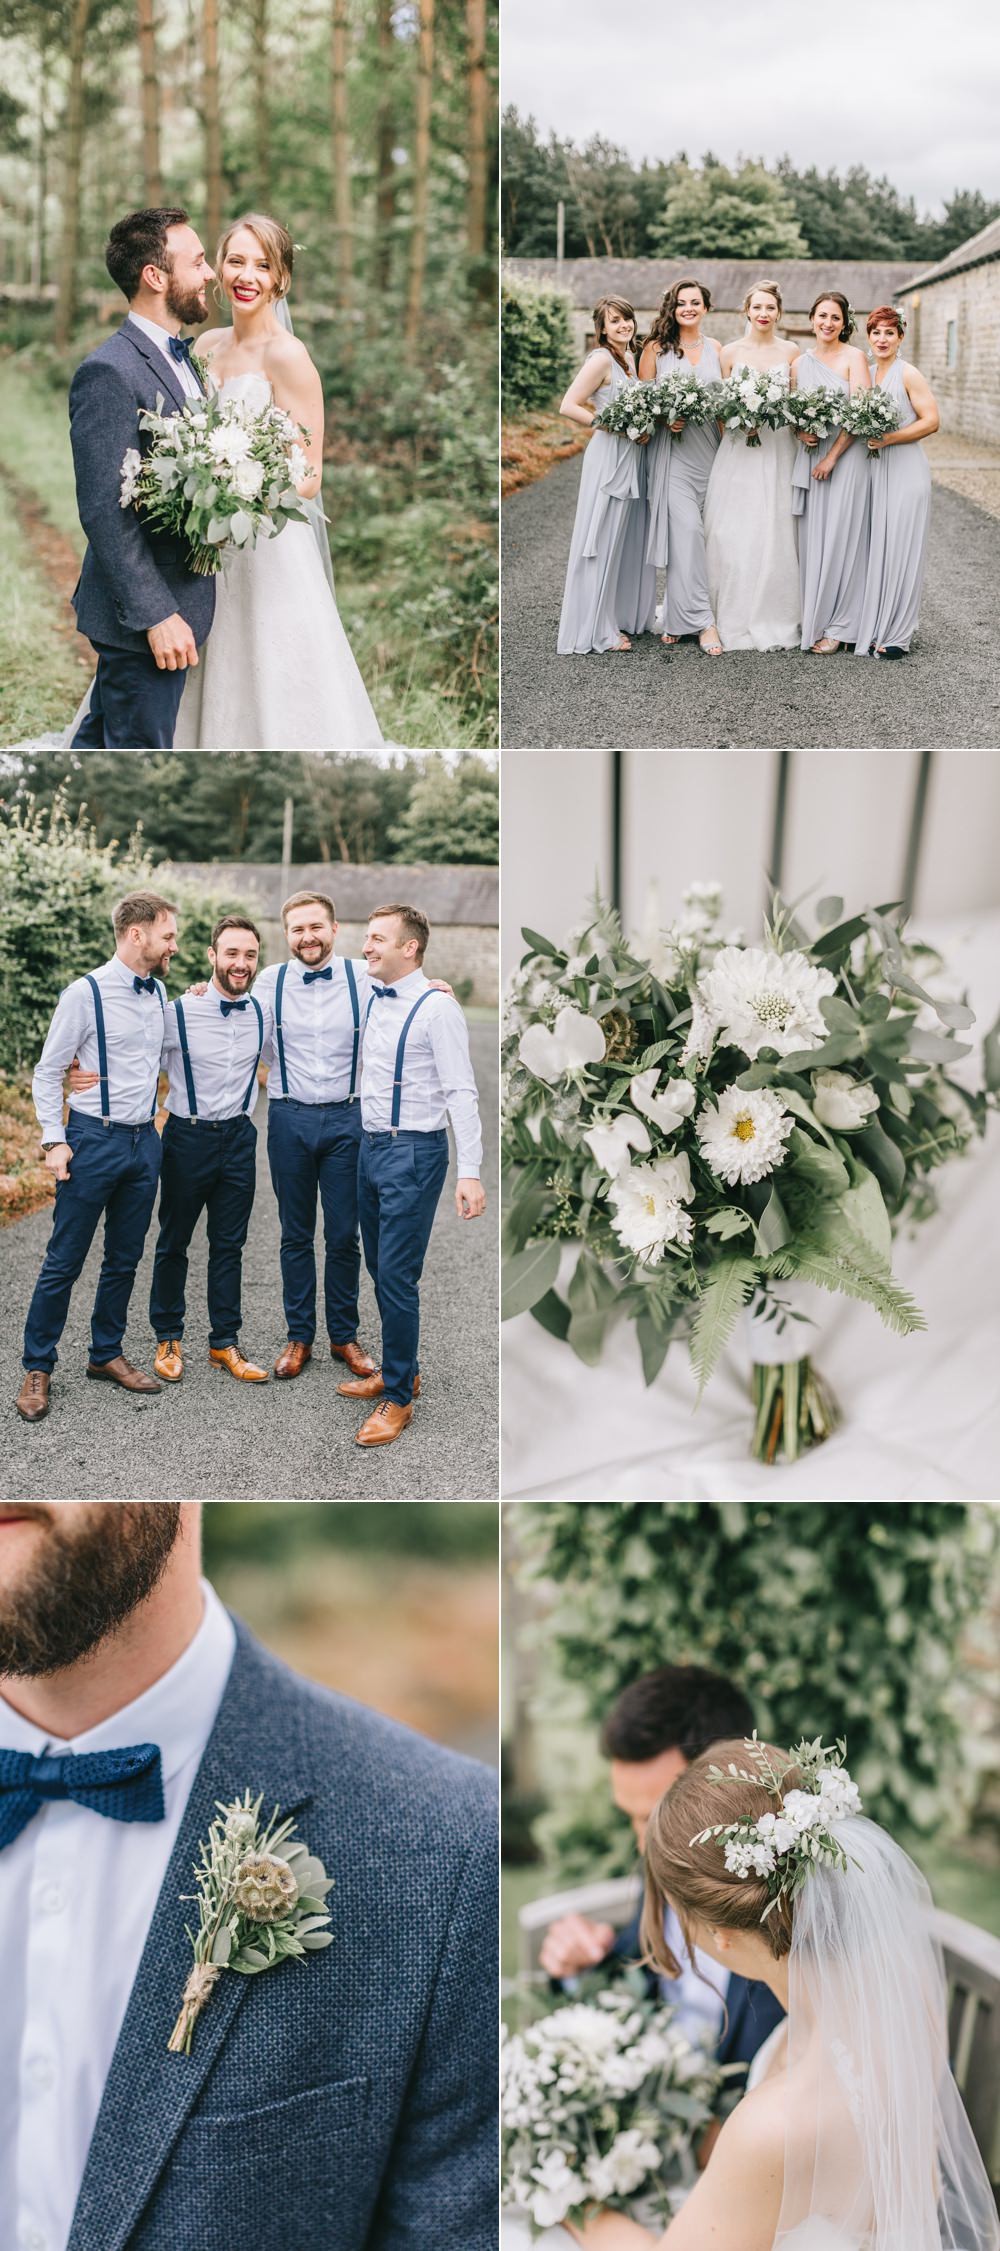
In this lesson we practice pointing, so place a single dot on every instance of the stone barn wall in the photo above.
(953, 337)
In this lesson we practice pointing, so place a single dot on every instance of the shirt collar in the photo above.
(409, 985)
(155, 333)
(177, 1712)
(123, 973)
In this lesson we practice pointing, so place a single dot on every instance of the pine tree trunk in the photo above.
(475, 206)
(385, 170)
(343, 247)
(69, 250)
(212, 125)
(262, 112)
(421, 171)
(152, 182)
(41, 157)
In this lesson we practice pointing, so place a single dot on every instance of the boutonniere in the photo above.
(260, 1901)
(200, 367)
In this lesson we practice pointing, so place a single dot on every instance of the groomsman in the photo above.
(106, 1160)
(213, 1046)
(318, 1001)
(417, 1069)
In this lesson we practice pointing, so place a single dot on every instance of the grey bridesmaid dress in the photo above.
(610, 589)
(679, 471)
(832, 523)
(897, 547)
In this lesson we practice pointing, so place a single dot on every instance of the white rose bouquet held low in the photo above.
(679, 397)
(815, 414)
(629, 414)
(870, 414)
(712, 1126)
(217, 474)
(753, 399)
(600, 2103)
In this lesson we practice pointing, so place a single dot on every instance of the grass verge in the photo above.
(41, 677)
(531, 445)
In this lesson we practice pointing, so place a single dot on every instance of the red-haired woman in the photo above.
(832, 509)
(678, 474)
(610, 589)
(901, 497)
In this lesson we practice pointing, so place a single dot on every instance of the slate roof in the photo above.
(978, 251)
(642, 281)
(468, 895)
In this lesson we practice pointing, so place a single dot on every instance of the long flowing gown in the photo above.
(610, 587)
(753, 568)
(897, 548)
(277, 671)
(678, 474)
(832, 518)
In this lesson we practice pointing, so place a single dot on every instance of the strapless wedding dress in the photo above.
(277, 671)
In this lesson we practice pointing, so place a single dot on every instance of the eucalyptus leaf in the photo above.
(886, 1161)
(829, 911)
(541, 945)
(552, 1314)
(991, 1058)
(653, 1347)
(527, 1277)
(586, 1334)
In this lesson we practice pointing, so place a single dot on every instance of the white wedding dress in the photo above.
(277, 671)
(750, 553)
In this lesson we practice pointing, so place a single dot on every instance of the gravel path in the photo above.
(945, 695)
(210, 1438)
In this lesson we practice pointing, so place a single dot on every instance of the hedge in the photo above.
(537, 358)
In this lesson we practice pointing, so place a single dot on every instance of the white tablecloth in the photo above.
(921, 1414)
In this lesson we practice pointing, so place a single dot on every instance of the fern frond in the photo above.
(848, 1275)
(724, 1298)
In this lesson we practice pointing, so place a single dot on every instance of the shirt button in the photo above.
(30, 2237)
(41, 2071)
(52, 1899)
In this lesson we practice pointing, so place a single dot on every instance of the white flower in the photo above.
(743, 1137)
(745, 1853)
(667, 1109)
(248, 477)
(623, 2168)
(229, 443)
(701, 1037)
(707, 896)
(762, 999)
(611, 1143)
(842, 1102)
(648, 1201)
(298, 465)
(777, 1831)
(575, 1041)
(838, 1795)
(558, 2190)
(803, 1809)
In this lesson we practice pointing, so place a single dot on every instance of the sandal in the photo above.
(826, 647)
(710, 648)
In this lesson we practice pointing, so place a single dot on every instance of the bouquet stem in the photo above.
(794, 1410)
(205, 561)
(196, 1992)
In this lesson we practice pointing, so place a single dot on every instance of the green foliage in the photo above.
(453, 813)
(537, 354)
(278, 1532)
(716, 213)
(838, 1621)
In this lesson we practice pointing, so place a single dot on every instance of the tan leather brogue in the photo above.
(169, 1361)
(384, 1425)
(371, 1387)
(357, 1361)
(33, 1400)
(229, 1356)
(121, 1372)
(291, 1360)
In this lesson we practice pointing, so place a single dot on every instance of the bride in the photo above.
(852, 2135)
(750, 552)
(276, 672)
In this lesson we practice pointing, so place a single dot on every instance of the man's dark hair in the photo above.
(233, 922)
(677, 1708)
(137, 241)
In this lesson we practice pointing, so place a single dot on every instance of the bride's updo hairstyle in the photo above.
(765, 288)
(275, 242)
(694, 1878)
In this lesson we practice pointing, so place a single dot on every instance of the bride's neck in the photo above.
(775, 1975)
(255, 328)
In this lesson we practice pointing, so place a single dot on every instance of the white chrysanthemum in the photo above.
(743, 1136)
(229, 443)
(649, 1204)
(762, 999)
(670, 1106)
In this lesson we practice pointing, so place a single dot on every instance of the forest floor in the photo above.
(44, 663)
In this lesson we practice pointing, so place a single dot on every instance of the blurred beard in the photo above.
(83, 1584)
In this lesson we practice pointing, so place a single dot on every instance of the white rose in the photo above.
(248, 477)
(843, 1103)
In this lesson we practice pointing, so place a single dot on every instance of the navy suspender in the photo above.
(102, 1051)
(186, 1060)
(352, 987)
(255, 1005)
(397, 1076)
(282, 974)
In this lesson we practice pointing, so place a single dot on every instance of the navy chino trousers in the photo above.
(400, 1178)
(210, 1168)
(133, 705)
(114, 1172)
(312, 1150)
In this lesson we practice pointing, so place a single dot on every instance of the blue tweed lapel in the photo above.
(256, 1743)
(160, 367)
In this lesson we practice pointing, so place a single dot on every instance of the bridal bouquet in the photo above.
(870, 414)
(679, 397)
(629, 414)
(815, 413)
(217, 474)
(753, 400)
(709, 1123)
(600, 2101)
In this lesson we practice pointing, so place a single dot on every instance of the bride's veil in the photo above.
(313, 508)
(880, 2155)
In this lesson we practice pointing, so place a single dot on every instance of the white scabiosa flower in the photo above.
(763, 999)
(611, 1143)
(670, 1107)
(843, 1103)
(574, 1041)
(743, 1136)
(648, 1203)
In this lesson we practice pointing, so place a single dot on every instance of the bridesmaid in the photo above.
(678, 474)
(832, 509)
(610, 588)
(901, 497)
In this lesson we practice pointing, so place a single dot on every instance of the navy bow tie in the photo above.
(127, 1785)
(310, 976)
(230, 1007)
(384, 992)
(180, 347)
(144, 984)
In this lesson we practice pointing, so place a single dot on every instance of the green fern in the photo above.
(723, 1300)
(847, 1274)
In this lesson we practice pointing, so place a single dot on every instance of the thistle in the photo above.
(260, 1899)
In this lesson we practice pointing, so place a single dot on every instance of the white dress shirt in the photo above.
(221, 1049)
(437, 1069)
(77, 1895)
(181, 372)
(700, 2006)
(317, 1030)
(133, 1026)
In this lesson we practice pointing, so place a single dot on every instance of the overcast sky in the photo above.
(911, 88)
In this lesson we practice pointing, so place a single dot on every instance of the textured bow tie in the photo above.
(384, 992)
(311, 976)
(126, 1785)
(233, 1007)
(180, 347)
(144, 984)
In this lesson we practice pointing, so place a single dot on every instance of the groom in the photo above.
(343, 2100)
(145, 612)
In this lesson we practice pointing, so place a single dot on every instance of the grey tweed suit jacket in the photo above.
(132, 578)
(341, 2103)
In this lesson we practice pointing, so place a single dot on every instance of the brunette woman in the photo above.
(678, 473)
(831, 487)
(610, 588)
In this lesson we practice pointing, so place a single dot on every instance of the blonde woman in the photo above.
(277, 672)
(753, 571)
(610, 588)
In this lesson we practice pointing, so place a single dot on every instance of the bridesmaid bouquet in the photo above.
(629, 414)
(754, 400)
(217, 474)
(679, 397)
(870, 414)
(709, 1123)
(815, 413)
